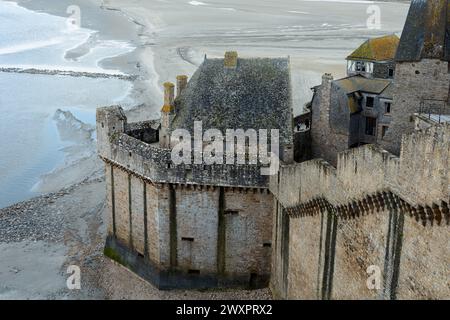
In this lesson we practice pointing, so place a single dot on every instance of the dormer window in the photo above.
(391, 72)
(360, 66)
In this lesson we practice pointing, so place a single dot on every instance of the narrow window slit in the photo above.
(193, 271)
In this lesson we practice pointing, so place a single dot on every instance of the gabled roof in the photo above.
(353, 86)
(376, 49)
(388, 93)
(426, 33)
(358, 83)
(256, 94)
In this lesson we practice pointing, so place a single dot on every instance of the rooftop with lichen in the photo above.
(254, 93)
(376, 49)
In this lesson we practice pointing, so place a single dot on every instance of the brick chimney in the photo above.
(230, 60)
(182, 81)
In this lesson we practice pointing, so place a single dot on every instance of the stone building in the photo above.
(365, 223)
(374, 58)
(355, 110)
(195, 224)
(347, 220)
(422, 76)
(373, 214)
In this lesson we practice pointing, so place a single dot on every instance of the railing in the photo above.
(435, 109)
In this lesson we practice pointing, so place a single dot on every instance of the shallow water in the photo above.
(30, 145)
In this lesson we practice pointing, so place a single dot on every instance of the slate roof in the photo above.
(356, 84)
(376, 49)
(256, 94)
(426, 33)
(388, 93)
(359, 83)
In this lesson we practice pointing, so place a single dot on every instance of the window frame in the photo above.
(386, 103)
(373, 102)
(391, 72)
(384, 129)
(374, 127)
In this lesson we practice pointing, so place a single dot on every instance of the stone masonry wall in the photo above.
(424, 261)
(415, 82)
(278, 281)
(307, 236)
(174, 231)
(121, 204)
(137, 214)
(326, 142)
(389, 212)
(248, 229)
(156, 198)
(197, 220)
(360, 243)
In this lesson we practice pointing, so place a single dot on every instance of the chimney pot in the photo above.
(169, 97)
(182, 81)
(230, 59)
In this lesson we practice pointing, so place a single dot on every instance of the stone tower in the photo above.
(111, 122)
(421, 82)
(196, 225)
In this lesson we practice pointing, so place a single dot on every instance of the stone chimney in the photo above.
(325, 98)
(167, 115)
(327, 78)
(230, 60)
(169, 97)
(182, 81)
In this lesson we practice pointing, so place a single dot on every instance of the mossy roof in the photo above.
(376, 49)
(254, 95)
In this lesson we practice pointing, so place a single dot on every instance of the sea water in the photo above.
(29, 142)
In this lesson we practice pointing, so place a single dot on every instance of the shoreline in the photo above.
(67, 226)
(69, 73)
(157, 58)
(101, 24)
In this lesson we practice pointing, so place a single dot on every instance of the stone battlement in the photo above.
(374, 211)
(422, 165)
(133, 146)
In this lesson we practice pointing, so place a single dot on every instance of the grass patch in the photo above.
(113, 255)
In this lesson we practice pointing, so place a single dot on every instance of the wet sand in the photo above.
(317, 36)
(41, 237)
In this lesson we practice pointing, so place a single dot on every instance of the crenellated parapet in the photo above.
(419, 176)
(135, 148)
(373, 212)
(437, 213)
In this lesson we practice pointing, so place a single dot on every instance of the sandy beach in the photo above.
(41, 237)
